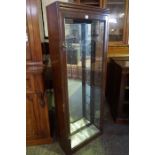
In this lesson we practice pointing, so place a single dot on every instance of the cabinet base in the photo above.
(122, 121)
(39, 141)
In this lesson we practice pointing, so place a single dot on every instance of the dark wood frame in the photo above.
(56, 13)
(117, 77)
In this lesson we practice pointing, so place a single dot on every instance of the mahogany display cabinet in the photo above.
(78, 40)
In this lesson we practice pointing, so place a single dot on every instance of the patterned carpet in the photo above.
(114, 141)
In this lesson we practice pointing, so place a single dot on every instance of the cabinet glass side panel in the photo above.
(116, 19)
(84, 52)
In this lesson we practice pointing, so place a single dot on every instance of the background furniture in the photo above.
(118, 25)
(37, 123)
(117, 91)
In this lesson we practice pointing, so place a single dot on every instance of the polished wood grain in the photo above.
(37, 121)
(31, 128)
(32, 17)
(38, 141)
(28, 48)
(118, 51)
(29, 83)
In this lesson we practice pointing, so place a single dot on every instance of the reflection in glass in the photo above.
(116, 21)
(84, 48)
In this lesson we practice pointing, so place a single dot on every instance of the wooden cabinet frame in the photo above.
(56, 13)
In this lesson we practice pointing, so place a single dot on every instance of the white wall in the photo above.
(44, 4)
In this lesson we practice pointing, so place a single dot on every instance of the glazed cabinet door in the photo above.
(85, 66)
(118, 22)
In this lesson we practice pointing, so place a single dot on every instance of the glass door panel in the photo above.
(116, 19)
(84, 54)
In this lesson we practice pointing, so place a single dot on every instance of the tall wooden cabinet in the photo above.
(79, 78)
(37, 123)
